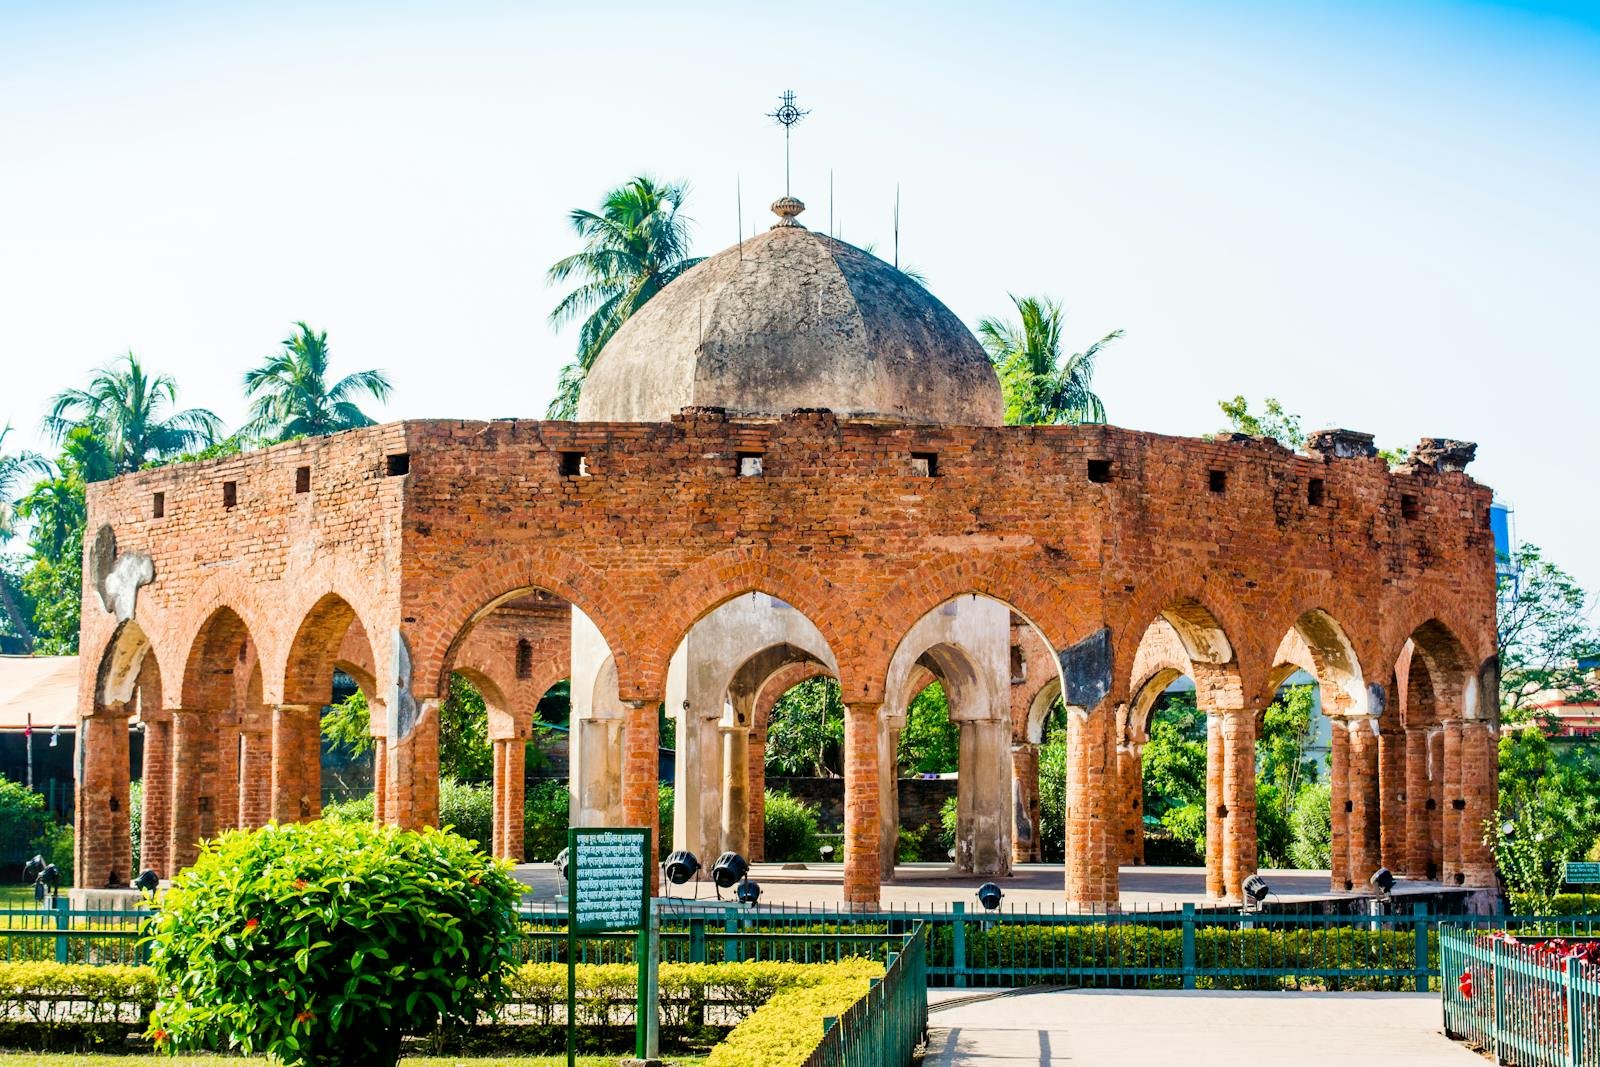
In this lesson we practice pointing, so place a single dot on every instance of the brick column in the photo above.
(1436, 802)
(1419, 857)
(411, 782)
(862, 872)
(1238, 819)
(1393, 788)
(1216, 802)
(223, 788)
(1130, 801)
(102, 848)
(1091, 863)
(189, 727)
(1365, 827)
(757, 762)
(889, 796)
(1025, 797)
(1454, 804)
(736, 789)
(255, 776)
(155, 822)
(983, 800)
(641, 774)
(380, 780)
(296, 763)
(1339, 806)
(510, 786)
(1480, 779)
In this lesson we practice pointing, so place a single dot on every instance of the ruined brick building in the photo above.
(792, 463)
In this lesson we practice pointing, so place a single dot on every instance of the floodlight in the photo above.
(1508, 828)
(31, 869)
(50, 876)
(1383, 879)
(561, 863)
(147, 882)
(1256, 888)
(682, 865)
(826, 852)
(989, 896)
(749, 892)
(729, 869)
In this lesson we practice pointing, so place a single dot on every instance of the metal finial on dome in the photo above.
(786, 208)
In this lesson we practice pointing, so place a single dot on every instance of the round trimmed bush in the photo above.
(791, 829)
(320, 943)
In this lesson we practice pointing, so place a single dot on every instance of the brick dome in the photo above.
(794, 319)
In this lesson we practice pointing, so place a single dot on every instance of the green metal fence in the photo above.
(883, 1028)
(1520, 1004)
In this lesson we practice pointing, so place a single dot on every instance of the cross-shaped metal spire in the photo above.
(786, 115)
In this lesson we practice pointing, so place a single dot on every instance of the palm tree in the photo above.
(1040, 386)
(12, 471)
(290, 395)
(126, 408)
(635, 245)
(55, 507)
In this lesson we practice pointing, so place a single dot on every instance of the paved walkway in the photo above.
(1199, 1029)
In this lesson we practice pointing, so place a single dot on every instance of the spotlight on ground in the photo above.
(749, 892)
(1256, 888)
(50, 877)
(147, 882)
(1383, 880)
(826, 852)
(682, 865)
(561, 863)
(31, 869)
(729, 869)
(989, 896)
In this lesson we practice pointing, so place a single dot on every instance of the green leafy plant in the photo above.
(468, 809)
(791, 829)
(323, 942)
(546, 812)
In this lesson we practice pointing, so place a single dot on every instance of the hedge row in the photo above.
(787, 1028)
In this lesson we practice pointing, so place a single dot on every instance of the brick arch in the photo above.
(1039, 704)
(1441, 619)
(1020, 581)
(774, 687)
(473, 592)
(1211, 625)
(223, 644)
(1318, 642)
(307, 667)
(307, 593)
(712, 582)
(125, 657)
(1452, 673)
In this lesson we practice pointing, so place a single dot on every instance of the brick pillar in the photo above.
(102, 849)
(1216, 786)
(1339, 806)
(1091, 864)
(255, 775)
(1480, 755)
(736, 789)
(983, 798)
(1238, 845)
(227, 757)
(1133, 794)
(296, 763)
(155, 822)
(757, 764)
(889, 796)
(1454, 804)
(189, 728)
(412, 779)
(380, 780)
(510, 785)
(1365, 827)
(1025, 798)
(1419, 856)
(641, 774)
(1393, 788)
(862, 871)
(1436, 802)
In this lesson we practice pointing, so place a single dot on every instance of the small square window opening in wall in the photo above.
(1100, 471)
(574, 465)
(158, 505)
(397, 464)
(230, 494)
(1218, 481)
(1409, 508)
(302, 479)
(751, 465)
(925, 464)
(1316, 492)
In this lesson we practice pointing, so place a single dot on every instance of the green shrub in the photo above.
(787, 1028)
(135, 820)
(792, 830)
(1312, 824)
(664, 802)
(322, 942)
(468, 809)
(356, 809)
(949, 823)
(24, 823)
(546, 811)
(913, 843)
(1052, 828)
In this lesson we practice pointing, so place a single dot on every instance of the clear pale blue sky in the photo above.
(1387, 215)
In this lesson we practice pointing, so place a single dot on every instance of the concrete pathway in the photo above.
(1192, 1029)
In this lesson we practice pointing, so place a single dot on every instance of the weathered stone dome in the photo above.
(794, 319)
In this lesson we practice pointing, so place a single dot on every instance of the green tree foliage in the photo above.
(1549, 800)
(129, 409)
(290, 394)
(634, 246)
(792, 830)
(805, 733)
(1311, 823)
(1544, 628)
(1273, 422)
(324, 942)
(464, 748)
(1052, 829)
(930, 742)
(348, 724)
(1040, 385)
(546, 813)
(1174, 764)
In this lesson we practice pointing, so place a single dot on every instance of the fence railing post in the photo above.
(958, 943)
(63, 922)
(1188, 946)
(1422, 964)
(697, 940)
(732, 949)
(1570, 986)
(1499, 972)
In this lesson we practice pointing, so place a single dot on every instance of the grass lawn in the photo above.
(39, 1059)
(16, 896)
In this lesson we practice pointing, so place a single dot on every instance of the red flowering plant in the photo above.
(321, 943)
